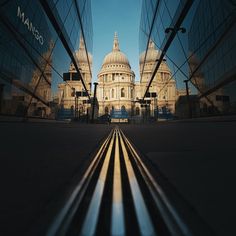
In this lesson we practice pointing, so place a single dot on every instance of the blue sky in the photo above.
(122, 16)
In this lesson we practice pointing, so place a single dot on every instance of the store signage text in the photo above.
(29, 25)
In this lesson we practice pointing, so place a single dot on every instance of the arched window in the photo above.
(112, 93)
(132, 92)
(123, 108)
(137, 111)
(106, 110)
(105, 78)
(122, 92)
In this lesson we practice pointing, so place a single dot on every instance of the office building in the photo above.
(39, 41)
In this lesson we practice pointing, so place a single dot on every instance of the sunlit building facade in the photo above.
(162, 93)
(196, 38)
(39, 42)
(119, 93)
(116, 82)
(71, 94)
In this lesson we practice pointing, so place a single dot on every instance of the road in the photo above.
(40, 164)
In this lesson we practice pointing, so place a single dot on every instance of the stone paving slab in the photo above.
(37, 163)
(198, 159)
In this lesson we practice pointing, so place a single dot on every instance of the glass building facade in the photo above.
(38, 41)
(198, 41)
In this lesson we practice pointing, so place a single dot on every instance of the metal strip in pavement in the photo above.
(90, 223)
(143, 217)
(118, 225)
(62, 220)
(169, 213)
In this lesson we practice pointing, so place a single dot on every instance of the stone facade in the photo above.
(65, 90)
(118, 90)
(116, 82)
(162, 85)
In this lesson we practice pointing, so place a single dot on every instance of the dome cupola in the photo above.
(152, 54)
(81, 56)
(115, 56)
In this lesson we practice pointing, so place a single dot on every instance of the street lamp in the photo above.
(188, 99)
(181, 29)
(94, 100)
(1, 95)
(103, 94)
(76, 103)
(90, 87)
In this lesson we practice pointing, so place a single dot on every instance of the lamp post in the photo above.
(88, 104)
(1, 95)
(94, 100)
(76, 104)
(181, 29)
(103, 94)
(188, 99)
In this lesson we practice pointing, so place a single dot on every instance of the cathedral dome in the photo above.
(152, 54)
(81, 55)
(116, 56)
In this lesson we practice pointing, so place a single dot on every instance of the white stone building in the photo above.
(162, 85)
(116, 82)
(65, 89)
(118, 90)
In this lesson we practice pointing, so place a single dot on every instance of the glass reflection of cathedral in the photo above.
(67, 90)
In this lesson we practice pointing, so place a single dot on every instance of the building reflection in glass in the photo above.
(36, 51)
(203, 53)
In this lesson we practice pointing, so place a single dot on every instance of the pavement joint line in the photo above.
(118, 225)
(167, 210)
(143, 217)
(67, 213)
(90, 222)
(122, 147)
